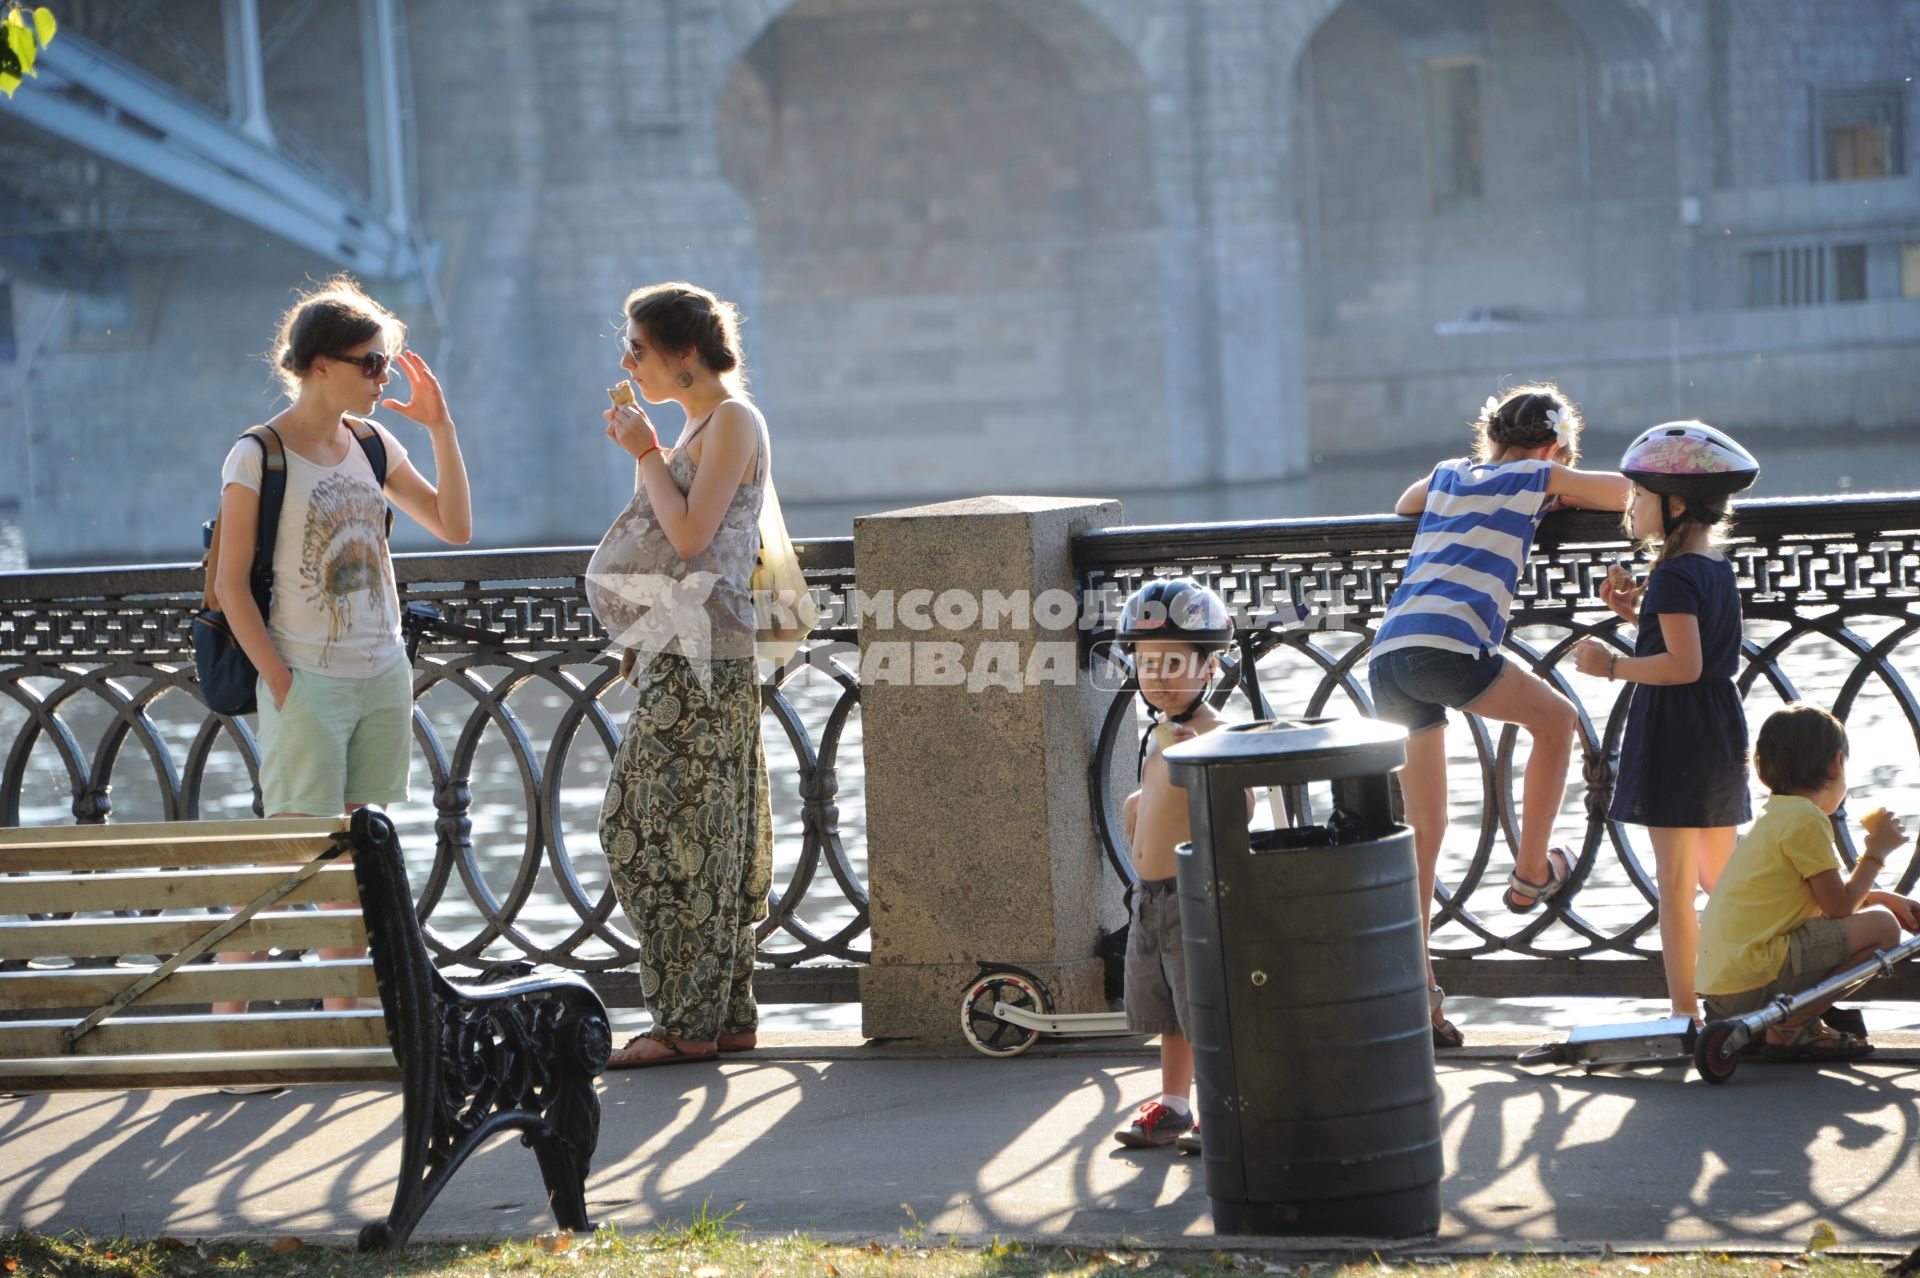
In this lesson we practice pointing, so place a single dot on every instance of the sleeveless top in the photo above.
(1474, 536)
(651, 600)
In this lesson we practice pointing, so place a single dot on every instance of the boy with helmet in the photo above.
(1175, 631)
(1682, 770)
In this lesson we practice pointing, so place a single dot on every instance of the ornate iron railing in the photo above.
(96, 680)
(100, 716)
(1830, 590)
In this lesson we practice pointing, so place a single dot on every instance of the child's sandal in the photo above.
(1445, 1032)
(1559, 871)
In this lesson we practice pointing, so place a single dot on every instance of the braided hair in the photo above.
(1533, 416)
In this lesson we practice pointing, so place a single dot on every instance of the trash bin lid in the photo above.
(1291, 751)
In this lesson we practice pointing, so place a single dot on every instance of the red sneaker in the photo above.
(1154, 1125)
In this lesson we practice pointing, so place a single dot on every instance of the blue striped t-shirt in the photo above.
(1473, 537)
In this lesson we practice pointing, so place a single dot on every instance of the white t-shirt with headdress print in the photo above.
(336, 610)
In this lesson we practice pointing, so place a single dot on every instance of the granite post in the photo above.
(979, 731)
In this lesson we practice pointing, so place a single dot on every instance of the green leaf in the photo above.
(8, 83)
(20, 40)
(44, 26)
(15, 18)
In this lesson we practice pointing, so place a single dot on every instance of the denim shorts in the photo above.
(1414, 686)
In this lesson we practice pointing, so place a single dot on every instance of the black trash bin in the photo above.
(1306, 984)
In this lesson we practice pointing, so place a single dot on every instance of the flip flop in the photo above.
(1815, 1042)
(628, 1058)
(1558, 872)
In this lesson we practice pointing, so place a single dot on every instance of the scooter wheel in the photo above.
(1712, 1057)
(990, 1035)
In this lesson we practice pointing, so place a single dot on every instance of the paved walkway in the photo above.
(818, 1134)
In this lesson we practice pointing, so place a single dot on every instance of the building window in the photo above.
(1453, 131)
(1859, 135)
(1849, 273)
(1807, 275)
(1910, 269)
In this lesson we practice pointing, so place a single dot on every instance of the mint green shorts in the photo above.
(336, 742)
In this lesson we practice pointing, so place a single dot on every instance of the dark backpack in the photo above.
(227, 675)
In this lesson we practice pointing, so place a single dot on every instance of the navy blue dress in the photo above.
(1683, 756)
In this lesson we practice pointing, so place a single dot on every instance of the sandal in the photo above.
(1848, 1020)
(1445, 1032)
(744, 1041)
(1558, 872)
(1815, 1042)
(666, 1051)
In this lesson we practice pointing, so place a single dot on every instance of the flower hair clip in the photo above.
(1561, 419)
(1490, 409)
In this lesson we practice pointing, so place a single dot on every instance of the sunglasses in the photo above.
(631, 349)
(373, 365)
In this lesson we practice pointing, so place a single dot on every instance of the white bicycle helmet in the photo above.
(1689, 459)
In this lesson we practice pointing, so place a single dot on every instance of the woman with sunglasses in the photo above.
(685, 823)
(336, 689)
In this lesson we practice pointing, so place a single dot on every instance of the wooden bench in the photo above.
(107, 940)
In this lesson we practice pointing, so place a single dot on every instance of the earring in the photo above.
(684, 378)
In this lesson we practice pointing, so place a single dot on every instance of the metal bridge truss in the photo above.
(97, 100)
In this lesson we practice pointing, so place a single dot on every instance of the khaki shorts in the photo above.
(1156, 961)
(1814, 950)
(336, 742)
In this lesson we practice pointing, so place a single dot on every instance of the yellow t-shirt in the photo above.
(1763, 895)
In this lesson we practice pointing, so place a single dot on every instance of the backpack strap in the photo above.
(375, 448)
(372, 445)
(273, 494)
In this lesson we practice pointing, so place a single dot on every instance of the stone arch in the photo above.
(1573, 213)
(956, 229)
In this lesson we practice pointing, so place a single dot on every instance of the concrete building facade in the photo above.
(1051, 245)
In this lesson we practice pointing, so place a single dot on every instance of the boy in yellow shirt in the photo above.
(1783, 918)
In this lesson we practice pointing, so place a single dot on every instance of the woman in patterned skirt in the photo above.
(685, 824)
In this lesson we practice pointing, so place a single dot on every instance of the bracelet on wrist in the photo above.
(654, 449)
(1612, 657)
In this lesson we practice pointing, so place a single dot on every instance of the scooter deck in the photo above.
(1069, 1024)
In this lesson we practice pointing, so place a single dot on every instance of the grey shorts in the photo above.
(1814, 949)
(1156, 961)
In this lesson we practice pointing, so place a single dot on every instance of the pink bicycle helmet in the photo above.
(1689, 459)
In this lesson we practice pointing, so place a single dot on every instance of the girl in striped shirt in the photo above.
(1438, 647)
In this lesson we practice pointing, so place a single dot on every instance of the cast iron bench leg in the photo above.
(476, 1060)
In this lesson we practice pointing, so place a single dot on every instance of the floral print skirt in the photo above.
(688, 835)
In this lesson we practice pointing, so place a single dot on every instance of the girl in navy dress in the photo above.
(1683, 757)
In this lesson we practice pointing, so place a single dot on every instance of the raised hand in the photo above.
(1885, 833)
(1624, 600)
(426, 403)
(631, 428)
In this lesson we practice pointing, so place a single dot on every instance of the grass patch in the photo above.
(708, 1246)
